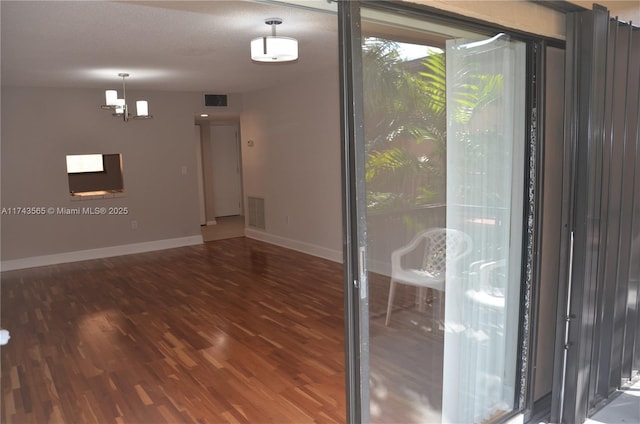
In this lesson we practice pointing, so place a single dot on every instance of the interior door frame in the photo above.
(200, 174)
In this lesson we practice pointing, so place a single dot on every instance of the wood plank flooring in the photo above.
(233, 331)
(405, 357)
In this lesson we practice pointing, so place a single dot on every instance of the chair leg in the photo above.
(392, 291)
(440, 313)
(421, 299)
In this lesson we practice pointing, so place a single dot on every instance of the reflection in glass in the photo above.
(444, 134)
(485, 189)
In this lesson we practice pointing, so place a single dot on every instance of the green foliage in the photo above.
(405, 106)
(387, 163)
(406, 123)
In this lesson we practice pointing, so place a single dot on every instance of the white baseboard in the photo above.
(103, 252)
(300, 246)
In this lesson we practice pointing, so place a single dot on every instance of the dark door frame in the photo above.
(354, 206)
(595, 348)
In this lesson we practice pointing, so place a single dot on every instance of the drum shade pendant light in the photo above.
(273, 48)
(119, 105)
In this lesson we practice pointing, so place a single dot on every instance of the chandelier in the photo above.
(119, 105)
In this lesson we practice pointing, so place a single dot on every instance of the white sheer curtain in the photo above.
(485, 189)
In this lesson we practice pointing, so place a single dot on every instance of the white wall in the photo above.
(295, 162)
(41, 126)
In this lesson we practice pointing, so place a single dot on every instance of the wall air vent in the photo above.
(215, 100)
(256, 212)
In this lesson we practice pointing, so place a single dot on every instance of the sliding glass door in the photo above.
(485, 195)
(438, 172)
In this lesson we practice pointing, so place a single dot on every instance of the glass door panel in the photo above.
(485, 195)
(444, 135)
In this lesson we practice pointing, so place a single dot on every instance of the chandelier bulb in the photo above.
(119, 105)
(142, 108)
(111, 96)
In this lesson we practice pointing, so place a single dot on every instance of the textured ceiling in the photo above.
(167, 45)
(179, 45)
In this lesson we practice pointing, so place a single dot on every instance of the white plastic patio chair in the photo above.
(439, 244)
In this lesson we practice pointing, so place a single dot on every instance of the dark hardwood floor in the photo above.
(234, 331)
(231, 331)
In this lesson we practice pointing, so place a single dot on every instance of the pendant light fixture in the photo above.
(119, 105)
(273, 48)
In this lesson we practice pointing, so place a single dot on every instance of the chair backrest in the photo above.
(440, 244)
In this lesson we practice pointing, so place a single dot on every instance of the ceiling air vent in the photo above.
(215, 100)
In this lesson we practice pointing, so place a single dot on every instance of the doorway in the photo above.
(222, 180)
(222, 173)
